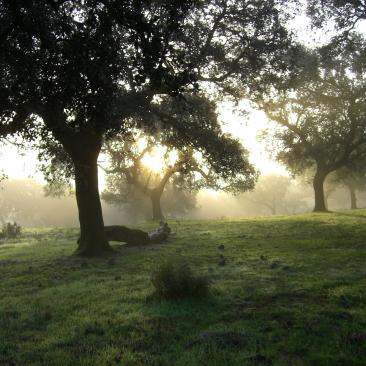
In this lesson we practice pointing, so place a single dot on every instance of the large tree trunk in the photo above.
(318, 184)
(353, 197)
(83, 147)
(92, 240)
(156, 206)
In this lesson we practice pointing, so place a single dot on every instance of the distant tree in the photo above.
(78, 71)
(176, 201)
(187, 173)
(23, 201)
(353, 178)
(128, 173)
(276, 194)
(209, 158)
(14, 200)
(270, 192)
(321, 119)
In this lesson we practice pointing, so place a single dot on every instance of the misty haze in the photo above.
(182, 182)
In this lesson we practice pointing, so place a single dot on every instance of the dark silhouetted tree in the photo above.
(80, 70)
(345, 13)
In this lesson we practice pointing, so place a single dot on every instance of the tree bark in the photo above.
(155, 197)
(83, 147)
(92, 240)
(353, 197)
(318, 184)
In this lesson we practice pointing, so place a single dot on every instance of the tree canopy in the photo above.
(346, 13)
(205, 156)
(322, 119)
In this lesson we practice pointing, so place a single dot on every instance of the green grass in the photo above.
(293, 292)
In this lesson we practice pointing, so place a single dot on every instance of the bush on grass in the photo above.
(10, 230)
(175, 280)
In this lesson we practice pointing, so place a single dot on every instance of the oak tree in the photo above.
(80, 70)
(321, 120)
(205, 156)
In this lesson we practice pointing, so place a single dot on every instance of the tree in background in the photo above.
(321, 120)
(77, 71)
(23, 201)
(204, 157)
(128, 172)
(353, 178)
(276, 193)
(176, 201)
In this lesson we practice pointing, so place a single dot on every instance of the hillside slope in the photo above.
(292, 292)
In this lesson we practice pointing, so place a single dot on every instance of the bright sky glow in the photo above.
(155, 159)
(246, 129)
(19, 164)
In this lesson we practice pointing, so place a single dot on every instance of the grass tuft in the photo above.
(175, 280)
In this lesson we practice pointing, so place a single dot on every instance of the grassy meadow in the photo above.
(292, 292)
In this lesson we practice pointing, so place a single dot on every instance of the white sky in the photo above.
(18, 164)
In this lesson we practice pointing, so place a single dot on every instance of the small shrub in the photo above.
(11, 230)
(175, 280)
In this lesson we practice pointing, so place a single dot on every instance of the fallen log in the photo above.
(135, 236)
(126, 235)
